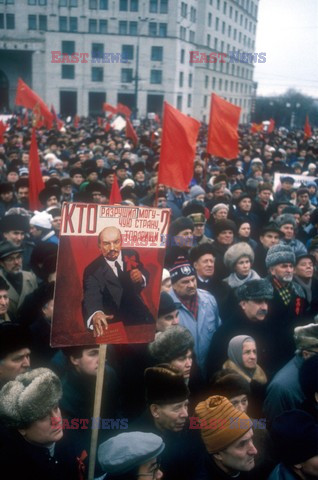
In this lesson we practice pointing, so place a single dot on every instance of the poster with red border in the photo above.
(110, 261)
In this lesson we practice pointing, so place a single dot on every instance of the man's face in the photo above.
(56, 223)
(6, 197)
(23, 194)
(121, 173)
(254, 310)
(88, 363)
(168, 320)
(239, 456)
(287, 186)
(265, 195)
(184, 238)
(240, 402)
(47, 310)
(198, 230)
(245, 204)
(305, 268)
(14, 363)
(183, 364)
(109, 180)
(283, 272)
(44, 431)
(309, 468)
(25, 159)
(172, 416)
(150, 470)
(15, 236)
(110, 243)
(249, 355)
(12, 263)
(303, 199)
(269, 239)
(35, 232)
(12, 177)
(66, 189)
(4, 301)
(221, 214)
(52, 201)
(288, 231)
(185, 287)
(205, 266)
(226, 237)
(77, 179)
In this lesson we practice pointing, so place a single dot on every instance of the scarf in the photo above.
(259, 375)
(285, 291)
(306, 287)
(235, 281)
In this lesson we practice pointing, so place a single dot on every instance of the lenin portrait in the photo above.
(112, 286)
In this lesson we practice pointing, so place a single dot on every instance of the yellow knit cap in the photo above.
(220, 423)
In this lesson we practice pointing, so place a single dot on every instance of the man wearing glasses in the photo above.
(130, 456)
(20, 282)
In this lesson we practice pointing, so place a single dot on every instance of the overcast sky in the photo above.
(288, 32)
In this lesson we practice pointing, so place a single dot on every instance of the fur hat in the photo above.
(13, 337)
(30, 397)
(237, 251)
(193, 207)
(177, 226)
(14, 222)
(284, 219)
(255, 290)
(165, 385)
(47, 192)
(171, 344)
(306, 336)
(42, 220)
(200, 250)
(230, 385)
(279, 254)
(222, 225)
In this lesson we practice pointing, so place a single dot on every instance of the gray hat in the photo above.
(30, 397)
(255, 290)
(7, 248)
(219, 206)
(284, 219)
(196, 190)
(306, 336)
(171, 344)
(126, 451)
(237, 251)
(279, 254)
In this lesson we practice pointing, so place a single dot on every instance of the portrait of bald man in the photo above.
(112, 285)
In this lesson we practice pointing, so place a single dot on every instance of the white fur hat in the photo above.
(237, 251)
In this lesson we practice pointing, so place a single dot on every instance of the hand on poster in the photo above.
(100, 323)
(136, 276)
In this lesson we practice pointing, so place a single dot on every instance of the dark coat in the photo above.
(113, 295)
(222, 293)
(259, 262)
(212, 472)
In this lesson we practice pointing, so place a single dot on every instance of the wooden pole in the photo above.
(97, 405)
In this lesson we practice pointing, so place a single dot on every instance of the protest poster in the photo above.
(110, 262)
(300, 180)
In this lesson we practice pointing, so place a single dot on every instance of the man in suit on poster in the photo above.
(112, 284)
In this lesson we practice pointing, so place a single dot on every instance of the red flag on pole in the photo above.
(36, 183)
(76, 121)
(3, 128)
(307, 128)
(25, 119)
(115, 196)
(130, 132)
(27, 98)
(123, 109)
(109, 108)
(59, 123)
(256, 127)
(107, 127)
(223, 136)
(271, 125)
(178, 144)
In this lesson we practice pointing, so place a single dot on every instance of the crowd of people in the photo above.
(228, 387)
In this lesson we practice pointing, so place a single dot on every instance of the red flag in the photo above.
(223, 136)
(123, 109)
(100, 121)
(178, 144)
(59, 123)
(3, 128)
(26, 119)
(109, 108)
(76, 121)
(271, 125)
(29, 99)
(115, 196)
(307, 128)
(130, 132)
(107, 127)
(256, 127)
(36, 183)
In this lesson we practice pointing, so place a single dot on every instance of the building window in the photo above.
(153, 6)
(1, 20)
(223, 27)
(31, 2)
(193, 15)
(206, 82)
(213, 83)
(103, 26)
(217, 23)
(179, 102)
(157, 54)
(205, 101)
(63, 24)
(134, 5)
(190, 80)
(156, 76)
(220, 83)
(97, 74)
(231, 12)
(103, 4)
(163, 6)
(215, 44)
(127, 52)
(68, 72)
(62, 3)
(73, 3)
(191, 36)
(98, 50)
(183, 32)
(68, 47)
(126, 75)
(10, 21)
(180, 79)
(133, 28)
(162, 29)
(224, 8)
(208, 39)
(182, 54)
(152, 29)
(122, 27)
(218, 4)
(123, 5)
(73, 24)
(43, 22)
(92, 26)
(184, 10)
(42, 3)
(93, 4)
(210, 20)
(32, 22)
(189, 100)
(226, 85)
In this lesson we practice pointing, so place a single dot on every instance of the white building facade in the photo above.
(154, 38)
